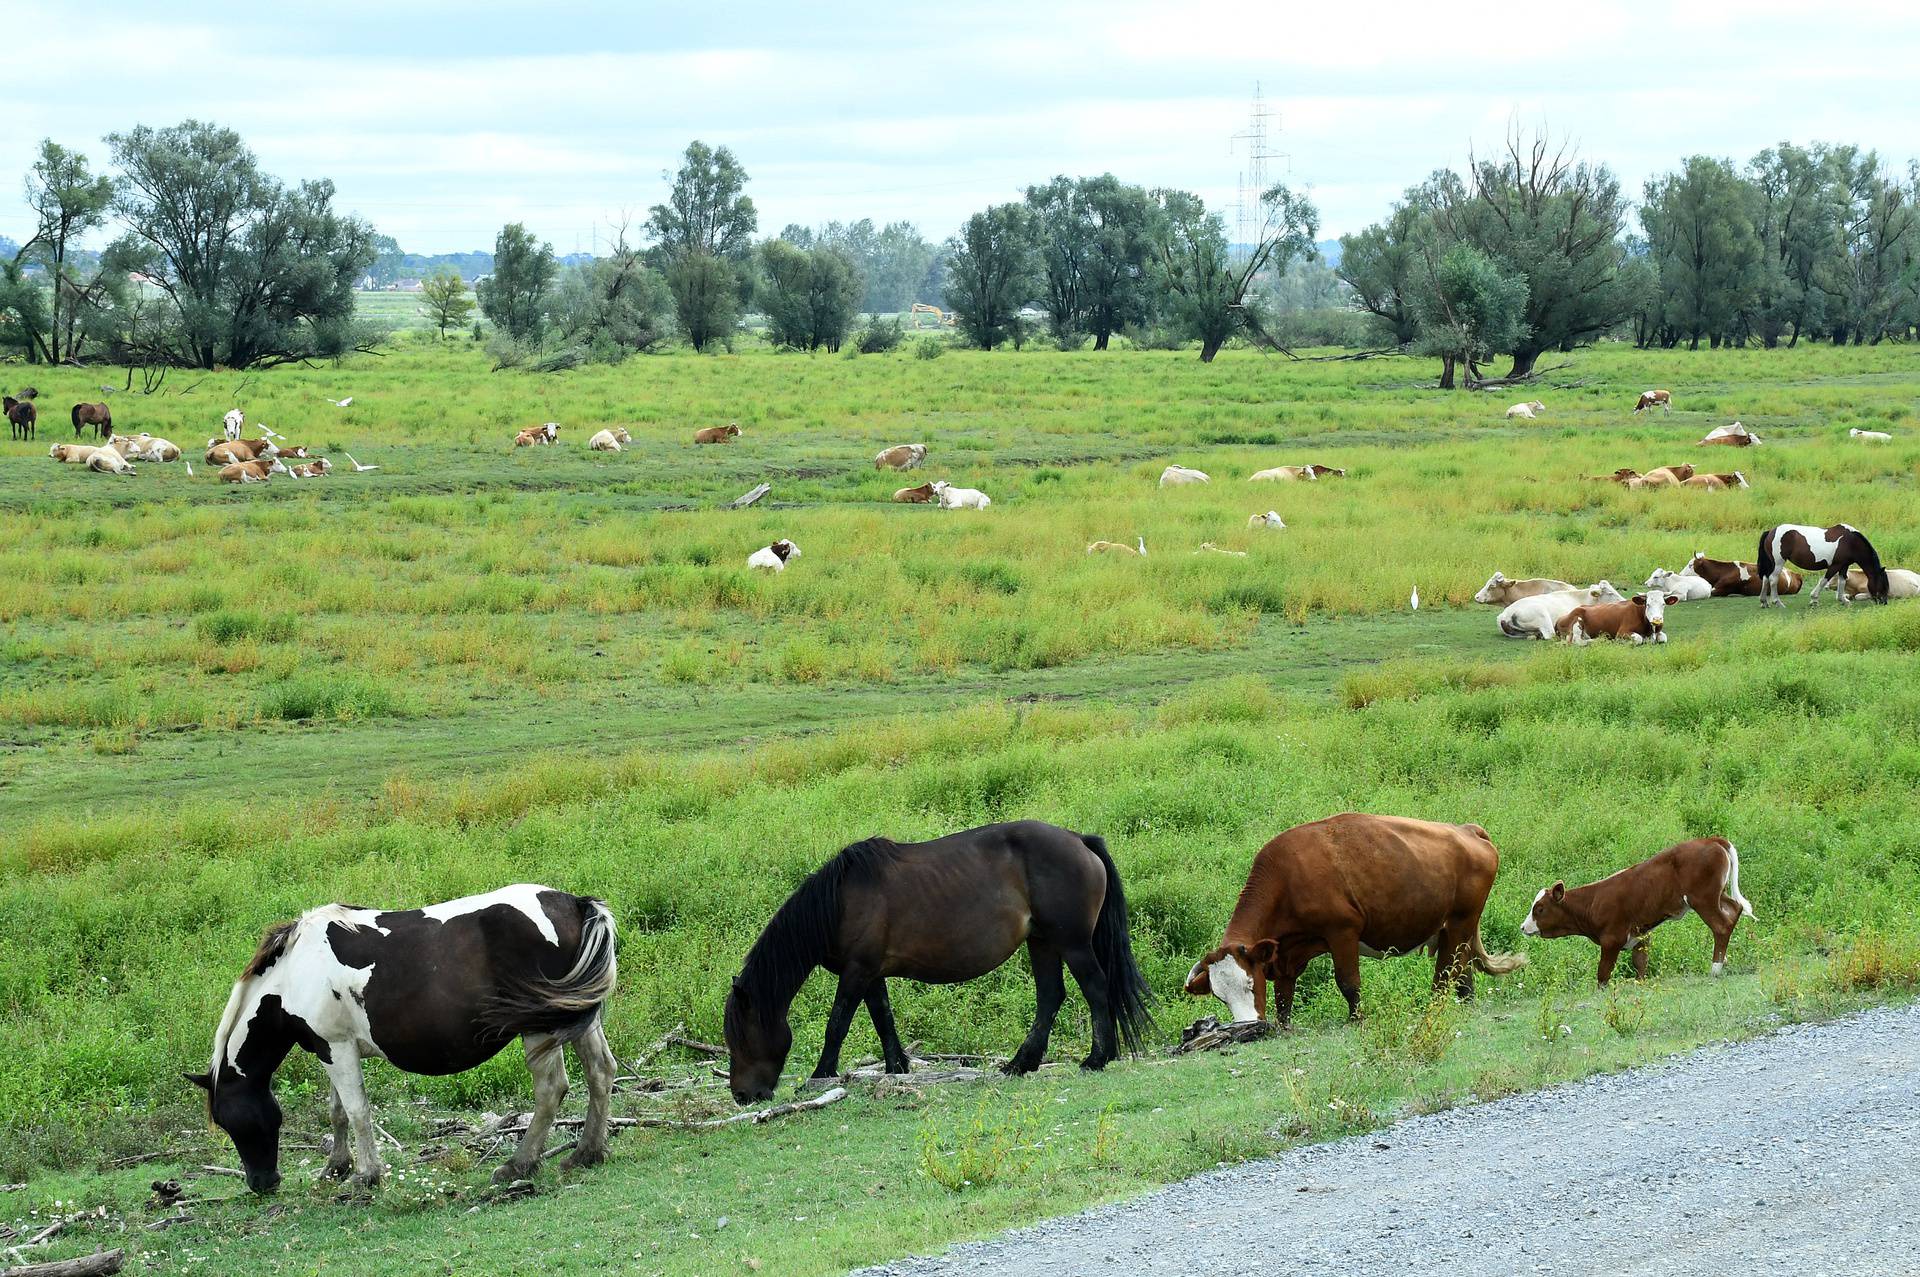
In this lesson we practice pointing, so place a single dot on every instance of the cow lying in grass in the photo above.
(1501, 589)
(952, 498)
(1620, 912)
(252, 471)
(1684, 586)
(1717, 482)
(1535, 616)
(544, 434)
(1901, 584)
(609, 440)
(222, 452)
(1729, 578)
(922, 495)
(1662, 477)
(717, 434)
(774, 557)
(1641, 619)
(1525, 411)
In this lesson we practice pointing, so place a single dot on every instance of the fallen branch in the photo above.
(106, 1261)
(223, 1170)
(1208, 1034)
(756, 1117)
(660, 1044)
(746, 499)
(694, 1044)
(1494, 383)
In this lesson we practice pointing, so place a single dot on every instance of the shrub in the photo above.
(929, 348)
(878, 337)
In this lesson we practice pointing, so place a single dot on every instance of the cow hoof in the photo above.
(365, 1180)
(582, 1158)
(512, 1172)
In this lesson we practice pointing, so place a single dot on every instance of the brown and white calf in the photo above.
(1641, 619)
(1732, 578)
(903, 456)
(922, 495)
(1717, 482)
(1620, 912)
(1663, 477)
(1662, 399)
(252, 471)
(717, 434)
(313, 469)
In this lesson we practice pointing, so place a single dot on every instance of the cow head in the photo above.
(1655, 606)
(1740, 479)
(1549, 918)
(785, 549)
(1662, 580)
(1486, 594)
(939, 486)
(1236, 974)
(1603, 592)
(275, 465)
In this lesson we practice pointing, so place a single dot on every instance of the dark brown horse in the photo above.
(97, 415)
(20, 417)
(941, 912)
(1836, 549)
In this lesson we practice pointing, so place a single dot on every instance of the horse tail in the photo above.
(1127, 991)
(570, 1005)
(1763, 557)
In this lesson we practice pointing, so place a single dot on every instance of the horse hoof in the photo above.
(365, 1182)
(333, 1171)
(1017, 1067)
(511, 1173)
(1092, 1064)
(582, 1158)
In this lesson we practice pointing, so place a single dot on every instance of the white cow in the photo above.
(1871, 436)
(1501, 589)
(1901, 584)
(146, 447)
(952, 498)
(1535, 616)
(1271, 519)
(1685, 585)
(1176, 476)
(774, 557)
(234, 420)
(109, 461)
(609, 440)
(1525, 410)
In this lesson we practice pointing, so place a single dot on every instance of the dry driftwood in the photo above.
(694, 1044)
(1208, 1034)
(833, 1096)
(106, 1261)
(746, 499)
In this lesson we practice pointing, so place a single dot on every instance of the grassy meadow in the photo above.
(478, 665)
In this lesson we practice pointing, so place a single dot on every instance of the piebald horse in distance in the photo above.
(1836, 549)
(434, 991)
(941, 912)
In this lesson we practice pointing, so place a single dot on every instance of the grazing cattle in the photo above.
(1716, 482)
(717, 434)
(227, 451)
(1354, 885)
(1871, 436)
(1271, 519)
(1641, 619)
(774, 557)
(232, 423)
(1685, 586)
(1501, 591)
(73, 454)
(1287, 474)
(609, 440)
(952, 498)
(431, 991)
(1662, 399)
(1118, 547)
(22, 418)
(543, 434)
(901, 457)
(1619, 913)
(1728, 578)
(1901, 584)
(922, 495)
(941, 912)
(1176, 476)
(97, 415)
(107, 460)
(1836, 549)
(252, 471)
(1525, 411)
(1535, 616)
(1733, 436)
(314, 469)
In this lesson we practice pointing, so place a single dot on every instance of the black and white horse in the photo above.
(435, 991)
(1836, 549)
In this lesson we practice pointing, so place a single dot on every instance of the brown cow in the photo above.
(313, 469)
(717, 434)
(900, 457)
(228, 451)
(1733, 436)
(1620, 912)
(1349, 885)
(1625, 474)
(1641, 619)
(1717, 482)
(1735, 578)
(252, 471)
(1668, 476)
(1662, 399)
(922, 495)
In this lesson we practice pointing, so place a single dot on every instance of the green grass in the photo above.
(481, 665)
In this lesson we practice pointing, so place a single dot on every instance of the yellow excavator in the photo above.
(942, 318)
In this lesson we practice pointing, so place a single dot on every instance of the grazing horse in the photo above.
(97, 415)
(941, 912)
(435, 991)
(21, 416)
(1836, 549)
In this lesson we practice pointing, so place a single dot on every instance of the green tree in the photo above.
(702, 235)
(1700, 231)
(810, 296)
(1124, 221)
(254, 272)
(1797, 220)
(447, 303)
(613, 307)
(67, 200)
(1469, 310)
(1877, 249)
(899, 268)
(23, 313)
(1206, 281)
(992, 270)
(1382, 264)
(1063, 234)
(514, 296)
(706, 297)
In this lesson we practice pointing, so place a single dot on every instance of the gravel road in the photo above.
(1794, 1153)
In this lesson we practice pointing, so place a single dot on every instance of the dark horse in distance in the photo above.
(97, 415)
(941, 912)
(21, 416)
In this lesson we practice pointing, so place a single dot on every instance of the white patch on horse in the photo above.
(524, 896)
(1233, 986)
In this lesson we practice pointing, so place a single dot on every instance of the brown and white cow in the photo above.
(1733, 578)
(546, 433)
(1665, 476)
(900, 457)
(314, 469)
(922, 495)
(1624, 475)
(252, 471)
(1641, 619)
(717, 434)
(73, 454)
(1289, 473)
(1620, 912)
(1500, 590)
(1348, 886)
(1717, 482)
(228, 451)
(1733, 436)
(1662, 399)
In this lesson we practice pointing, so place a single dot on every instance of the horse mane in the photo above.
(803, 931)
(272, 944)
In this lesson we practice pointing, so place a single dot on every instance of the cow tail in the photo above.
(569, 1006)
(1508, 628)
(1494, 963)
(1127, 991)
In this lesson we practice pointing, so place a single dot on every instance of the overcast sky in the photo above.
(441, 121)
